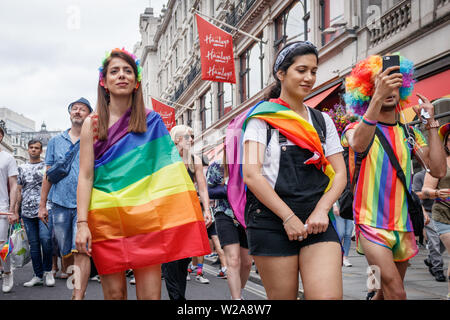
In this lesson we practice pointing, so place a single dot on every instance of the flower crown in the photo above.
(108, 54)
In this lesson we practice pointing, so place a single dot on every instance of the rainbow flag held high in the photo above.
(6, 250)
(144, 208)
(291, 125)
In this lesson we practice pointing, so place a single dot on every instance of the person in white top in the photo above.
(8, 199)
(288, 227)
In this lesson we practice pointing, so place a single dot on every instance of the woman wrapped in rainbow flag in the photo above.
(137, 206)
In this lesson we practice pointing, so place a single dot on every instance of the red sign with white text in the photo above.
(167, 113)
(216, 51)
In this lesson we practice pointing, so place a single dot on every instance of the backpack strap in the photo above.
(359, 158)
(319, 124)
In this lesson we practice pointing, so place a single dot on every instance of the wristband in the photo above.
(369, 122)
(287, 219)
(81, 221)
(432, 124)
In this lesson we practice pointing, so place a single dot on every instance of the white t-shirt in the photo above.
(257, 131)
(8, 168)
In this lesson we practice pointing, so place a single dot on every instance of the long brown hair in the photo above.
(137, 122)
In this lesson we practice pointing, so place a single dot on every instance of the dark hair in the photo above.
(138, 122)
(301, 48)
(33, 141)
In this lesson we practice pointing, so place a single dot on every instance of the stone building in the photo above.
(345, 32)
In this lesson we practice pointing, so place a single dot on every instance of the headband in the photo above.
(289, 49)
(108, 54)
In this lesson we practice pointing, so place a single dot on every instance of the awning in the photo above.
(215, 153)
(314, 101)
(433, 88)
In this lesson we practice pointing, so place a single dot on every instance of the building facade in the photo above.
(345, 32)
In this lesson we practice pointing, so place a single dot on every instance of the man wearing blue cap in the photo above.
(62, 195)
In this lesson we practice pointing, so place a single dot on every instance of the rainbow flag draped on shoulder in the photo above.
(144, 208)
(291, 125)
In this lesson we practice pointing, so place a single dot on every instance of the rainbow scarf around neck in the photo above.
(291, 125)
(144, 208)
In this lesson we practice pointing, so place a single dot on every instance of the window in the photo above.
(189, 117)
(206, 110)
(211, 8)
(252, 71)
(291, 24)
(331, 12)
(225, 98)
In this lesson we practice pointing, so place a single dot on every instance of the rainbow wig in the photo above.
(360, 84)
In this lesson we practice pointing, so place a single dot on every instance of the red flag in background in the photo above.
(167, 113)
(216, 51)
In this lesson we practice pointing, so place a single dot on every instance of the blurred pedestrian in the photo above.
(176, 272)
(39, 233)
(345, 230)
(8, 182)
(231, 233)
(436, 248)
(62, 194)
(439, 190)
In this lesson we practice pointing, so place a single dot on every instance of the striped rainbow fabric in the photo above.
(296, 129)
(380, 199)
(6, 250)
(291, 125)
(144, 208)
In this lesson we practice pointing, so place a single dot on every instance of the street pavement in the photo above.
(419, 284)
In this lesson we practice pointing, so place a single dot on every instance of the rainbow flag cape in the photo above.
(291, 125)
(6, 250)
(144, 208)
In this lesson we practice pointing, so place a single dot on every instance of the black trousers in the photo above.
(175, 274)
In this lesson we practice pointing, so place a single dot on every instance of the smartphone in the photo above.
(390, 61)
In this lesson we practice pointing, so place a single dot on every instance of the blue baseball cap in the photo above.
(83, 101)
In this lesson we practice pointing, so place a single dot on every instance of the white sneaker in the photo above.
(133, 280)
(188, 277)
(201, 279)
(8, 282)
(35, 281)
(347, 262)
(95, 278)
(49, 279)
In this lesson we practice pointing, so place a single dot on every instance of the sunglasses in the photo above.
(187, 136)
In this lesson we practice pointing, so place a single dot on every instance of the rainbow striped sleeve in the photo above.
(144, 208)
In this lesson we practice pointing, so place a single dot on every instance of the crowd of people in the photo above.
(139, 200)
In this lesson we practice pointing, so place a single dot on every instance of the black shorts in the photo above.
(267, 236)
(212, 230)
(228, 232)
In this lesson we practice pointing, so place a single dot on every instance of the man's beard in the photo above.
(77, 122)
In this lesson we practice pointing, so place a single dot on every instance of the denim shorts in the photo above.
(64, 221)
(441, 228)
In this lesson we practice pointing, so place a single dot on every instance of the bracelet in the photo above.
(287, 219)
(81, 221)
(432, 125)
(369, 122)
